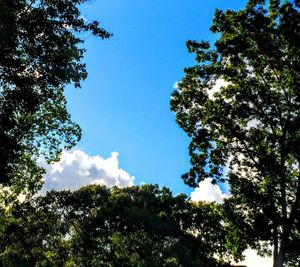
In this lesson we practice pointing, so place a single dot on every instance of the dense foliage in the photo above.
(241, 107)
(97, 226)
(40, 53)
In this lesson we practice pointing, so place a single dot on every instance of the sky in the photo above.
(123, 105)
(130, 136)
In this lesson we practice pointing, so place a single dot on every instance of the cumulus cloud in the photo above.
(76, 169)
(253, 260)
(206, 191)
(175, 85)
(216, 88)
(218, 84)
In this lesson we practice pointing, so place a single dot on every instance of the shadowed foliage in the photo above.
(97, 226)
(241, 107)
(40, 53)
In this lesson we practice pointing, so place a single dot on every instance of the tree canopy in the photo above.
(40, 53)
(98, 226)
(241, 107)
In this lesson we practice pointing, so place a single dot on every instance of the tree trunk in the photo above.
(275, 252)
(280, 257)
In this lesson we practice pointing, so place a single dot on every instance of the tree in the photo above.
(98, 226)
(40, 53)
(240, 105)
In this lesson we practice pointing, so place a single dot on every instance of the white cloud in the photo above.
(76, 169)
(175, 85)
(218, 84)
(206, 191)
(253, 260)
(216, 88)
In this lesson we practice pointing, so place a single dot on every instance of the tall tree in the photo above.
(241, 107)
(40, 53)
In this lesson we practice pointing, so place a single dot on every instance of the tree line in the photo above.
(98, 226)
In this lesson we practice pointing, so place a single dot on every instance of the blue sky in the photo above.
(123, 105)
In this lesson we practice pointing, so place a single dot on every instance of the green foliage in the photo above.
(40, 53)
(97, 226)
(240, 105)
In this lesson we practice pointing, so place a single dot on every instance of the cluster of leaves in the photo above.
(39, 56)
(241, 107)
(97, 226)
